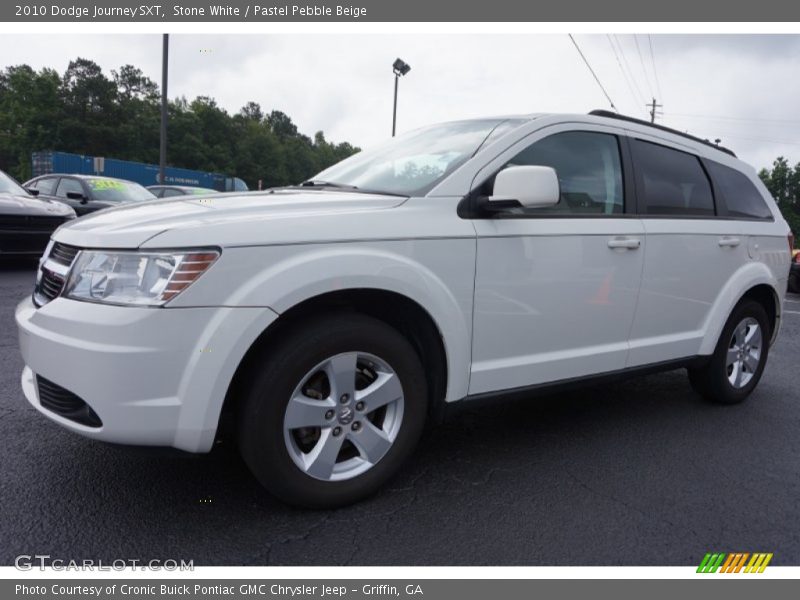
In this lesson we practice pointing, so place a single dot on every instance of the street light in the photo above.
(162, 157)
(400, 68)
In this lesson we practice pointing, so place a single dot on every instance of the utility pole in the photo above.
(653, 110)
(162, 161)
(394, 110)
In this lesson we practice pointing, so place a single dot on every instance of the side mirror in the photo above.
(530, 186)
(77, 196)
(32, 191)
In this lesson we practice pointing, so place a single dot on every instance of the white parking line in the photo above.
(792, 312)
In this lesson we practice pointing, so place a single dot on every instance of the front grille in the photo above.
(29, 223)
(56, 399)
(49, 286)
(63, 254)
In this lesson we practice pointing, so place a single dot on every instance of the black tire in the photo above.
(280, 369)
(711, 380)
(794, 283)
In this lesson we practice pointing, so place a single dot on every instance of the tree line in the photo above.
(783, 182)
(86, 112)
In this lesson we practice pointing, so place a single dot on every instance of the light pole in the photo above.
(399, 68)
(162, 161)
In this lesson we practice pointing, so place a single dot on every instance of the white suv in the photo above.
(474, 258)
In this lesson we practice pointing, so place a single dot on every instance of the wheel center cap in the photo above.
(345, 415)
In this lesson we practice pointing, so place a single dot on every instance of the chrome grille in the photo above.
(50, 285)
(53, 273)
(63, 254)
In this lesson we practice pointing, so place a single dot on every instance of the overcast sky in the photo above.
(740, 88)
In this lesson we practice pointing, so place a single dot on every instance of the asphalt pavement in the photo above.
(635, 473)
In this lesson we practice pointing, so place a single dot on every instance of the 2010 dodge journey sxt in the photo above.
(472, 258)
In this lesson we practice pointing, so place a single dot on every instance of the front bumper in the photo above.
(154, 376)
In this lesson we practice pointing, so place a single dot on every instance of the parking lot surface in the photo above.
(636, 473)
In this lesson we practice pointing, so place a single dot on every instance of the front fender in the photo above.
(747, 277)
(436, 274)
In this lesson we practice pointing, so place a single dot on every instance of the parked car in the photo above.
(794, 273)
(167, 191)
(88, 193)
(473, 259)
(26, 222)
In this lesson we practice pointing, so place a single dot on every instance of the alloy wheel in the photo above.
(744, 352)
(343, 416)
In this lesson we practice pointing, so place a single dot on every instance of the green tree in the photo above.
(85, 112)
(783, 182)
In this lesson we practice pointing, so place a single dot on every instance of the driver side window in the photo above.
(589, 172)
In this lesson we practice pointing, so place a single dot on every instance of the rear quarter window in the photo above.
(741, 197)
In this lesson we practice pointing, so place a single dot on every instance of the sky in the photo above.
(742, 89)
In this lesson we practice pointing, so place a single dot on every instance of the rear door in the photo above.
(556, 288)
(691, 251)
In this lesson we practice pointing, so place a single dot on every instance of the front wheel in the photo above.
(738, 361)
(335, 407)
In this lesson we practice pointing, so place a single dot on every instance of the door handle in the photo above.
(624, 243)
(728, 242)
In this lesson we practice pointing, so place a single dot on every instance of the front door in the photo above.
(556, 288)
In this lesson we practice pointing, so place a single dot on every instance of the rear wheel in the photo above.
(738, 361)
(334, 410)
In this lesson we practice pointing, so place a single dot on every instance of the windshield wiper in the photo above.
(320, 183)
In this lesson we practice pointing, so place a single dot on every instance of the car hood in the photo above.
(254, 218)
(19, 205)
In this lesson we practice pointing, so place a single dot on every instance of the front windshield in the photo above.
(413, 163)
(116, 190)
(9, 186)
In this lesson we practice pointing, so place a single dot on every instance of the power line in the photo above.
(636, 101)
(591, 70)
(653, 60)
(764, 140)
(731, 118)
(641, 99)
(641, 61)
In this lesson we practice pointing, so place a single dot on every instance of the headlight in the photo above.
(137, 278)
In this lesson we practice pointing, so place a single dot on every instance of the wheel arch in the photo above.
(755, 281)
(397, 310)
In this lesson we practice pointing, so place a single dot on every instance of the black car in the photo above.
(87, 193)
(168, 191)
(794, 273)
(26, 222)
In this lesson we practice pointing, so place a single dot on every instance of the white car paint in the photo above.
(517, 302)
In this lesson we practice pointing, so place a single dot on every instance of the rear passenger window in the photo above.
(673, 183)
(742, 198)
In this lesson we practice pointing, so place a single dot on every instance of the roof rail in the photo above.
(613, 115)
